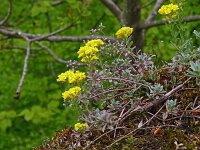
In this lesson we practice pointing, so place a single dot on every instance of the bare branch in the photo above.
(19, 47)
(163, 22)
(147, 4)
(113, 8)
(57, 2)
(5, 19)
(56, 58)
(25, 68)
(52, 33)
(154, 11)
(162, 99)
(51, 53)
(17, 34)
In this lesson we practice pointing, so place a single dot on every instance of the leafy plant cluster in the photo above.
(125, 91)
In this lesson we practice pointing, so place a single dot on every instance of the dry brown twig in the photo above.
(146, 107)
(148, 121)
(111, 90)
(161, 100)
(154, 103)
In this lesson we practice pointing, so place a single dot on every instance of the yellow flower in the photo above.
(94, 57)
(94, 43)
(76, 77)
(80, 126)
(82, 50)
(62, 77)
(84, 59)
(170, 9)
(79, 76)
(89, 51)
(124, 32)
(71, 93)
(71, 76)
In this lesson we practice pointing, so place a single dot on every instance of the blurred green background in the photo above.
(39, 113)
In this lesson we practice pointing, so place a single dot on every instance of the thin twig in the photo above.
(120, 118)
(25, 68)
(51, 53)
(122, 79)
(161, 100)
(185, 110)
(154, 11)
(100, 137)
(128, 111)
(148, 121)
(53, 33)
(111, 90)
(5, 19)
(113, 8)
(56, 58)
(154, 103)
(57, 2)
(163, 22)
(195, 100)
(147, 4)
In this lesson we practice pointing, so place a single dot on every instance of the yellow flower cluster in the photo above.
(94, 43)
(124, 32)
(80, 126)
(170, 9)
(71, 93)
(88, 52)
(71, 76)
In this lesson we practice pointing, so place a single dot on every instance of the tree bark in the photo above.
(132, 17)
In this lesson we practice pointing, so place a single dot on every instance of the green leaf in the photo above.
(5, 123)
(41, 7)
(28, 116)
(37, 109)
(22, 113)
(11, 114)
(53, 105)
(2, 115)
(35, 11)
